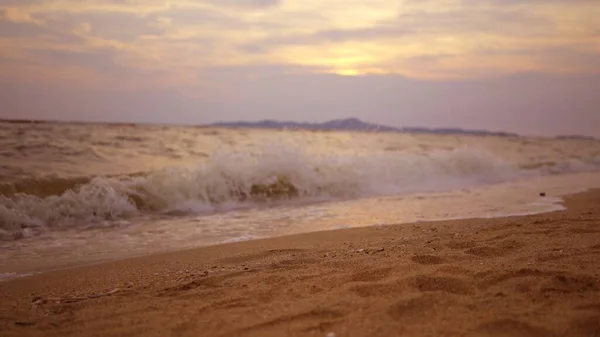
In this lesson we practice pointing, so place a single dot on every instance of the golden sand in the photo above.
(521, 276)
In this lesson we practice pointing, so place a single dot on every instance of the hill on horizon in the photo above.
(345, 124)
(355, 124)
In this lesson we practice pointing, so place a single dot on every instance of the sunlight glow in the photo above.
(347, 72)
(178, 40)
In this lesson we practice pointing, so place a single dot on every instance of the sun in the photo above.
(347, 72)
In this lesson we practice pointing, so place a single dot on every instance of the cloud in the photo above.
(334, 35)
(180, 40)
(419, 43)
(528, 2)
(102, 61)
(430, 60)
(191, 22)
(17, 15)
(572, 59)
(12, 29)
(472, 22)
(122, 26)
(255, 4)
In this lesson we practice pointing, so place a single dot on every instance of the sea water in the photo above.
(73, 194)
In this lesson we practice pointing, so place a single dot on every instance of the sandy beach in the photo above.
(273, 168)
(535, 275)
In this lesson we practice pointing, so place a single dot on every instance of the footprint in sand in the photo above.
(584, 327)
(295, 263)
(589, 307)
(454, 270)
(509, 328)
(566, 284)
(416, 306)
(316, 316)
(239, 302)
(589, 230)
(203, 283)
(501, 249)
(447, 284)
(485, 252)
(427, 259)
(377, 289)
(262, 255)
(371, 275)
(544, 282)
(461, 244)
(551, 256)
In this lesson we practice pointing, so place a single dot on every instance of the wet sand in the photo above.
(520, 276)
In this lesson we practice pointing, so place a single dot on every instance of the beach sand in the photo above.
(535, 275)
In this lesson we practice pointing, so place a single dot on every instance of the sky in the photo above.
(527, 66)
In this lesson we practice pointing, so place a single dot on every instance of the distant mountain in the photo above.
(354, 124)
(348, 124)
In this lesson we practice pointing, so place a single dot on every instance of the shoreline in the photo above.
(552, 204)
(532, 275)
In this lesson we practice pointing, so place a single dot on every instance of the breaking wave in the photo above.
(235, 180)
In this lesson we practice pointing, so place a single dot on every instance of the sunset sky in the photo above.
(529, 66)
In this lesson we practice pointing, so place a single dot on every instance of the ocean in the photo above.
(76, 194)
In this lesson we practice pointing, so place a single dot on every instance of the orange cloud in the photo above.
(174, 42)
(17, 15)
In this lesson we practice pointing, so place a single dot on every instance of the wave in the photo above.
(235, 180)
(42, 187)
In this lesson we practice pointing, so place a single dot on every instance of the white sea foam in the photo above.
(240, 239)
(10, 276)
(229, 180)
